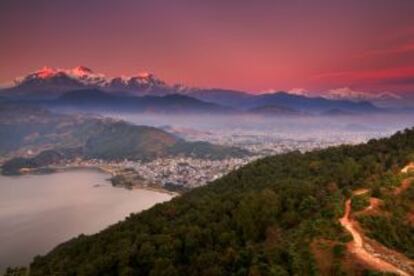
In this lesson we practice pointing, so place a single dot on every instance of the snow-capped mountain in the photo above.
(143, 81)
(80, 75)
(51, 82)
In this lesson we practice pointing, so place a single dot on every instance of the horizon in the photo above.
(300, 47)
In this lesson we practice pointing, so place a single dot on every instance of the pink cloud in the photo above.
(299, 91)
(399, 49)
(393, 79)
(373, 74)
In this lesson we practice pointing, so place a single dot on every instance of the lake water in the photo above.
(37, 212)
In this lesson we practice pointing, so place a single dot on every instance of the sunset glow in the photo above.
(245, 45)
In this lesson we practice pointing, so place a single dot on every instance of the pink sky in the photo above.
(249, 45)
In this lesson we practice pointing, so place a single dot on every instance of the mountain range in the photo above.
(81, 87)
(51, 83)
(98, 100)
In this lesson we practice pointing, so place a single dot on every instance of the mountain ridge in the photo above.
(95, 99)
(50, 84)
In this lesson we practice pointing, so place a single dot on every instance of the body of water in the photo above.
(38, 212)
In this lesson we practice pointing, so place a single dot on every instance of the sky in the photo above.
(346, 46)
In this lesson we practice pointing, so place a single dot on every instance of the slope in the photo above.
(260, 220)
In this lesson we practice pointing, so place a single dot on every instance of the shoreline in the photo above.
(110, 172)
(85, 179)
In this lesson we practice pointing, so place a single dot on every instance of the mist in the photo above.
(295, 132)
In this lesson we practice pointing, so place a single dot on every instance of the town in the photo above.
(184, 173)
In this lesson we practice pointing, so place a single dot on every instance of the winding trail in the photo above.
(369, 251)
(408, 168)
(358, 246)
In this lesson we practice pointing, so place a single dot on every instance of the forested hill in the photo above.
(263, 219)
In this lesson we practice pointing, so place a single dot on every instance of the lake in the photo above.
(38, 212)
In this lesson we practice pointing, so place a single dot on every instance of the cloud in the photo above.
(398, 49)
(388, 96)
(399, 79)
(6, 85)
(390, 73)
(299, 91)
(347, 93)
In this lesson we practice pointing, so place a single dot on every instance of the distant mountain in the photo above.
(275, 110)
(309, 104)
(49, 83)
(299, 103)
(143, 83)
(225, 97)
(99, 100)
(337, 112)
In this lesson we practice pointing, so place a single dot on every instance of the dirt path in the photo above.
(370, 252)
(406, 183)
(363, 251)
(360, 191)
(408, 168)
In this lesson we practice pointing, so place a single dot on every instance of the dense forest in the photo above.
(262, 219)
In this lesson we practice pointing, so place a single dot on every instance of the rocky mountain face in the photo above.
(50, 83)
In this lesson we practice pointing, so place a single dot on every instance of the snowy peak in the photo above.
(146, 79)
(142, 81)
(82, 76)
(49, 72)
(45, 72)
(86, 76)
(47, 78)
(144, 75)
(81, 71)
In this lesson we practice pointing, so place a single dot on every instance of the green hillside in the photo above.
(263, 219)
